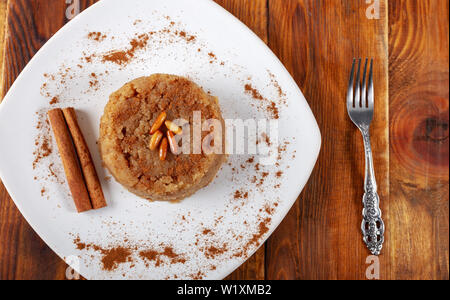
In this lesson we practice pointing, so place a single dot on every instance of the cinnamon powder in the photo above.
(155, 256)
(44, 149)
(54, 100)
(256, 237)
(253, 92)
(212, 252)
(112, 258)
(96, 36)
(272, 107)
(123, 57)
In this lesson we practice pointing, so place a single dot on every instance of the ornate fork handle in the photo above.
(372, 224)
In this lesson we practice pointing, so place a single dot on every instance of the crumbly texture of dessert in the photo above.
(125, 137)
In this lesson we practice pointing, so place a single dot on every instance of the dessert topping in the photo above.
(163, 149)
(173, 127)
(158, 123)
(155, 140)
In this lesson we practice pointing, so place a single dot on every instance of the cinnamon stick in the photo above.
(87, 165)
(70, 161)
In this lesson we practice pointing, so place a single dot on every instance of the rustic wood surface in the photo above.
(419, 145)
(316, 40)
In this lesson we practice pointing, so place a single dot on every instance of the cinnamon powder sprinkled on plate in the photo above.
(152, 255)
(212, 252)
(54, 100)
(207, 231)
(272, 107)
(122, 57)
(115, 256)
(253, 92)
(111, 258)
(42, 142)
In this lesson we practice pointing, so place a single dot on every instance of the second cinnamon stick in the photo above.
(70, 161)
(87, 165)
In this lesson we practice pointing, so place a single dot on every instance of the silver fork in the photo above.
(360, 107)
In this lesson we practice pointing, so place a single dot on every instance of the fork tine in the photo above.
(350, 86)
(370, 92)
(358, 86)
(363, 86)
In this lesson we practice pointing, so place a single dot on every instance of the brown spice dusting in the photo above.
(122, 57)
(212, 252)
(188, 38)
(197, 276)
(150, 255)
(96, 36)
(52, 173)
(269, 210)
(81, 246)
(206, 231)
(273, 109)
(240, 195)
(113, 257)
(253, 92)
(155, 256)
(266, 139)
(117, 57)
(279, 174)
(94, 83)
(275, 83)
(44, 150)
(54, 100)
(262, 230)
(89, 58)
(256, 237)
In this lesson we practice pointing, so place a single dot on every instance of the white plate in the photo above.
(240, 58)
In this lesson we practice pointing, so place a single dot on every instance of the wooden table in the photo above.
(316, 40)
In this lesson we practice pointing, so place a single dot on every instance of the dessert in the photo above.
(78, 165)
(137, 137)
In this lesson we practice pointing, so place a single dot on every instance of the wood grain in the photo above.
(3, 13)
(419, 125)
(317, 41)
